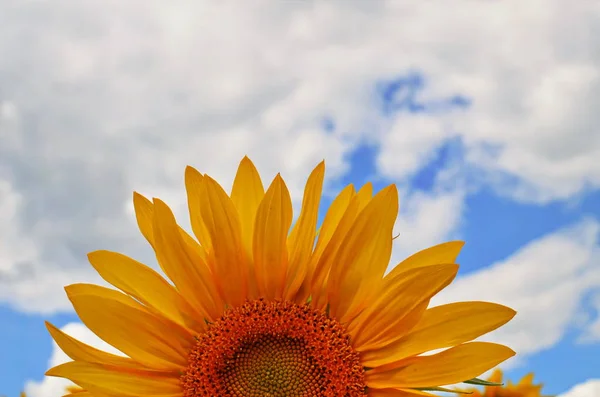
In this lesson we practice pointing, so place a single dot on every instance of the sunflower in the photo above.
(253, 310)
(525, 388)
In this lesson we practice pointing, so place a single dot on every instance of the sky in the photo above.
(484, 114)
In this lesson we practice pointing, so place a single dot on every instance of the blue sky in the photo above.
(499, 153)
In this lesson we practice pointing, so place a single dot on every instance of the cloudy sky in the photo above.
(484, 113)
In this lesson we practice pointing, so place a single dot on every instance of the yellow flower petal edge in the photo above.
(441, 327)
(74, 389)
(100, 379)
(459, 363)
(257, 305)
(273, 220)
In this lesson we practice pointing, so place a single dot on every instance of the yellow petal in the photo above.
(333, 217)
(327, 259)
(80, 351)
(382, 322)
(129, 327)
(99, 379)
(143, 214)
(438, 254)
(302, 238)
(227, 259)
(454, 365)
(441, 327)
(527, 379)
(147, 286)
(80, 393)
(192, 244)
(75, 389)
(496, 376)
(373, 357)
(183, 265)
(246, 194)
(85, 393)
(273, 221)
(397, 393)
(364, 255)
(364, 195)
(193, 188)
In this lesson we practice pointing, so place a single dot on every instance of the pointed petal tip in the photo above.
(454, 266)
(508, 312)
(191, 172)
(393, 189)
(503, 351)
(93, 254)
(54, 371)
(247, 164)
(318, 171)
(209, 180)
(389, 192)
(386, 195)
(139, 198)
(160, 205)
(277, 182)
(72, 288)
(527, 379)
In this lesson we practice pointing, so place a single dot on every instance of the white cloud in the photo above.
(590, 324)
(589, 388)
(99, 99)
(12, 250)
(545, 281)
(532, 127)
(30, 286)
(410, 143)
(53, 387)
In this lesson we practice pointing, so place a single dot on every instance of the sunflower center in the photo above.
(274, 349)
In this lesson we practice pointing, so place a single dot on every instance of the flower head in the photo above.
(258, 307)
